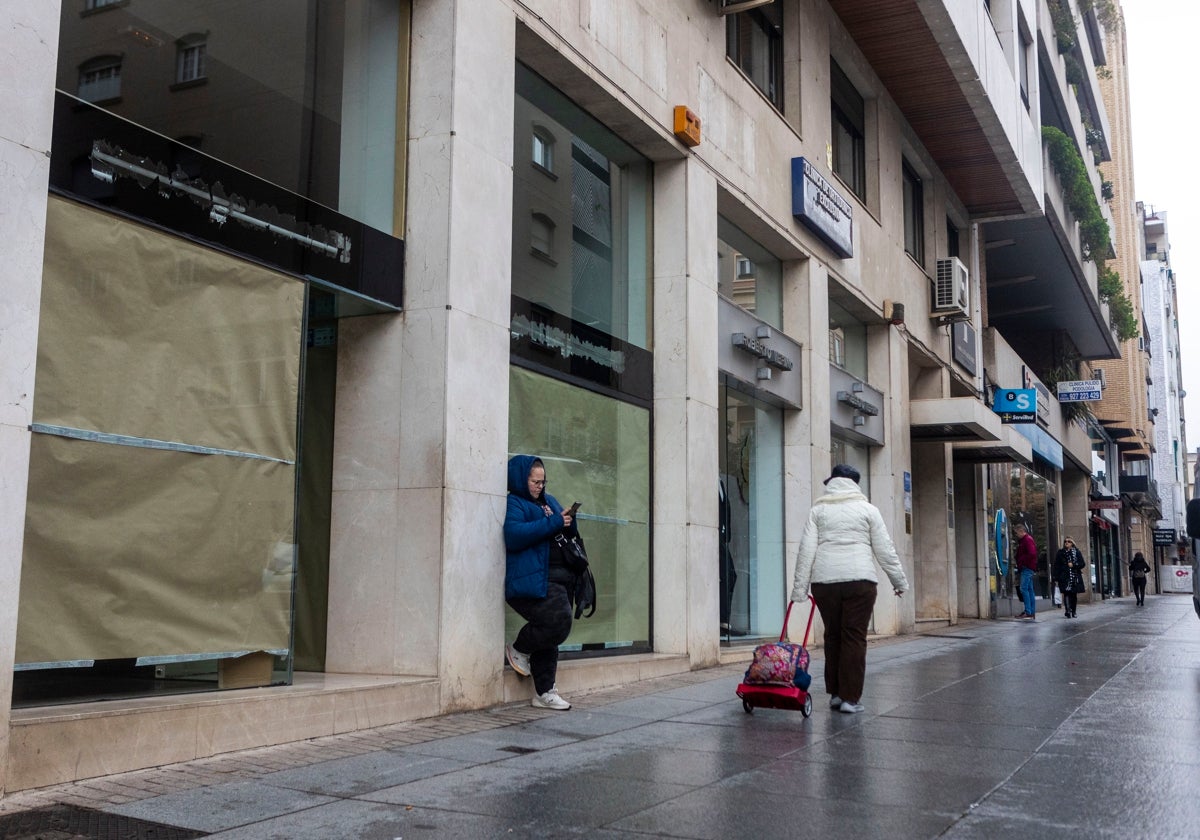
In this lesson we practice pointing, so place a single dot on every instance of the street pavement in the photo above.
(1057, 728)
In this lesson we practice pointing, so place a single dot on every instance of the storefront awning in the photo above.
(1012, 447)
(954, 419)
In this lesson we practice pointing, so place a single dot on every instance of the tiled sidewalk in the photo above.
(121, 788)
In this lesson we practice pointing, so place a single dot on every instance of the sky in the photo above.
(1161, 41)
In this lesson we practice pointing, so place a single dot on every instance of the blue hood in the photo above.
(518, 474)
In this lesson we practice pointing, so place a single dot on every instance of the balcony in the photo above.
(1142, 492)
(945, 67)
(1039, 283)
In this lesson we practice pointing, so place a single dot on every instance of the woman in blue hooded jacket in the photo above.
(535, 579)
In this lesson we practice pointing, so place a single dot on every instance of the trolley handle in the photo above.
(787, 615)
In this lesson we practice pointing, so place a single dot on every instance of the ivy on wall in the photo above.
(1093, 229)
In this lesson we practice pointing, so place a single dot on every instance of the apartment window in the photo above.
(914, 214)
(100, 78)
(1024, 60)
(543, 150)
(190, 59)
(754, 41)
(848, 123)
(541, 235)
(951, 238)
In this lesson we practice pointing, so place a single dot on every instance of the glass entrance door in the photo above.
(753, 591)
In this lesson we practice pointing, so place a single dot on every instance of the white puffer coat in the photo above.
(844, 538)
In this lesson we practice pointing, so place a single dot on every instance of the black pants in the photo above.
(549, 624)
(1070, 602)
(846, 613)
(1139, 589)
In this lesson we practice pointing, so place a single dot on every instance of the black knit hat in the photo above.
(844, 471)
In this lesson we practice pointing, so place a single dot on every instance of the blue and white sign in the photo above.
(1016, 405)
(821, 208)
(1082, 390)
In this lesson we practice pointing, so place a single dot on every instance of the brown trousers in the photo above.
(846, 612)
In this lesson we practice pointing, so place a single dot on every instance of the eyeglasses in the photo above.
(541, 483)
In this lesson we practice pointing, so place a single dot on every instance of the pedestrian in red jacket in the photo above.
(1027, 564)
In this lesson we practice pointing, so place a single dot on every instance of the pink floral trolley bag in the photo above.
(778, 676)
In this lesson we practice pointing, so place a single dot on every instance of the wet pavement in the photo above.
(1086, 727)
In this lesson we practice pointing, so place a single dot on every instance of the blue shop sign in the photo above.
(821, 208)
(1015, 405)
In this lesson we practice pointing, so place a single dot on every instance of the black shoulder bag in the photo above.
(583, 593)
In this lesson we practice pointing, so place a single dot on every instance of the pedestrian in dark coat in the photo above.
(1068, 574)
(535, 579)
(1139, 571)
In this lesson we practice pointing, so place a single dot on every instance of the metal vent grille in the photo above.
(69, 822)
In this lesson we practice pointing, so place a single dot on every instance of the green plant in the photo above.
(1106, 190)
(1106, 11)
(1065, 32)
(1066, 369)
(1079, 192)
(1120, 311)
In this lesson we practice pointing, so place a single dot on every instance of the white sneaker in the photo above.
(550, 700)
(835, 702)
(519, 661)
(848, 708)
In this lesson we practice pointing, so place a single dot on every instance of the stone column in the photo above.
(28, 52)
(806, 435)
(417, 559)
(686, 418)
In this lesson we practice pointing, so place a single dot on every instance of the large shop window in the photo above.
(751, 494)
(301, 93)
(1024, 496)
(597, 451)
(847, 342)
(748, 274)
(580, 381)
(160, 526)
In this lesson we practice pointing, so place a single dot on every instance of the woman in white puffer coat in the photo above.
(844, 538)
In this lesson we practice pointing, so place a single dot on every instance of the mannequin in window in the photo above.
(728, 575)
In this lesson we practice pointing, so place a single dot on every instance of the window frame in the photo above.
(848, 117)
(913, 209)
(96, 65)
(740, 29)
(191, 45)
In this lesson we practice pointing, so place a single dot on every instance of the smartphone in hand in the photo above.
(574, 509)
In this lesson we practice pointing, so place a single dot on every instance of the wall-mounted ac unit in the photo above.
(951, 288)
(1098, 373)
(732, 7)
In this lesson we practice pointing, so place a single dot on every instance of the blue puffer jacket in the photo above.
(527, 533)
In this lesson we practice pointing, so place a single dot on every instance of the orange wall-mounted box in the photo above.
(687, 126)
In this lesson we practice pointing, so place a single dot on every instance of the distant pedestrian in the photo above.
(844, 538)
(1068, 574)
(1139, 571)
(1027, 561)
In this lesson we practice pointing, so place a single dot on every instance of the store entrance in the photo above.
(753, 591)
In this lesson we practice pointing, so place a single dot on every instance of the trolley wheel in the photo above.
(806, 709)
(747, 707)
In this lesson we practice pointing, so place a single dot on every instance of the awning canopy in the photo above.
(954, 420)
(1012, 447)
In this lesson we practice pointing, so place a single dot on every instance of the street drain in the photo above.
(519, 750)
(69, 822)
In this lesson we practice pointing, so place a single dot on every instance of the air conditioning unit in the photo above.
(1098, 373)
(732, 7)
(951, 288)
